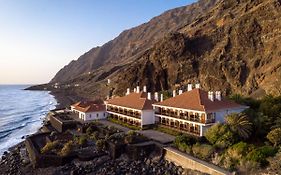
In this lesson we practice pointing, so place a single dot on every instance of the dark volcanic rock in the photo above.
(231, 46)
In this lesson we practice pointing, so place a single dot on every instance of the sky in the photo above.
(39, 37)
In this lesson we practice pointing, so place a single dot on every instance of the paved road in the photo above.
(152, 134)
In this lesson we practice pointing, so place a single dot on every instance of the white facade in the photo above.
(135, 116)
(147, 117)
(220, 115)
(89, 116)
(185, 119)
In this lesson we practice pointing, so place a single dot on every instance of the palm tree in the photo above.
(239, 124)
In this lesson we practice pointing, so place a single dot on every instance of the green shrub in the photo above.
(82, 140)
(260, 154)
(268, 151)
(67, 148)
(220, 136)
(100, 144)
(167, 130)
(238, 151)
(95, 135)
(49, 146)
(131, 132)
(274, 136)
(182, 146)
(202, 151)
(89, 130)
(188, 140)
(188, 149)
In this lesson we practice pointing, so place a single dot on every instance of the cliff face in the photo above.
(131, 43)
(231, 45)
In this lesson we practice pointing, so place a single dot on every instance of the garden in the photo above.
(246, 142)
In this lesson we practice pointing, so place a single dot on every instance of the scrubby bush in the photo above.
(67, 148)
(274, 136)
(202, 151)
(82, 140)
(117, 138)
(95, 135)
(220, 135)
(100, 144)
(184, 143)
(49, 146)
(89, 130)
(188, 140)
(131, 132)
(260, 154)
(134, 137)
(238, 150)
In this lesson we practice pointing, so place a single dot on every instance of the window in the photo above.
(104, 114)
(97, 115)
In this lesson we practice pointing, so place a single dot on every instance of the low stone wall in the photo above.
(190, 162)
(41, 161)
(62, 125)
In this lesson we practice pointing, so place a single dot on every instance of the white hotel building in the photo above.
(134, 108)
(194, 111)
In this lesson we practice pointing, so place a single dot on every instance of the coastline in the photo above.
(63, 100)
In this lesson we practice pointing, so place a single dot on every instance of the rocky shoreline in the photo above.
(16, 160)
(15, 163)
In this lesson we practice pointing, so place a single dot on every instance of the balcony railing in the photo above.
(192, 118)
(127, 113)
(192, 131)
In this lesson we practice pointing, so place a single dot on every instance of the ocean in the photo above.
(21, 113)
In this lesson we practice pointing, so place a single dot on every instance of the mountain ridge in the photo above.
(225, 45)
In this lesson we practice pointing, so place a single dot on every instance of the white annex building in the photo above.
(195, 110)
(88, 111)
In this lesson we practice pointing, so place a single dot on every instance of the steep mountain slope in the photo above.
(231, 45)
(133, 42)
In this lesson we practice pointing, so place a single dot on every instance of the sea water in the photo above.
(21, 113)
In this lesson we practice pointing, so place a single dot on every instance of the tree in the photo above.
(274, 136)
(239, 124)
(220, 135)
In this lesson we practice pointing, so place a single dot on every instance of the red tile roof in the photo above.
(88, 106)
(197, 99)
(133, 100)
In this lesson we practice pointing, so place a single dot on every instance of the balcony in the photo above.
(136, 115)
(191, 130)
(192, 118)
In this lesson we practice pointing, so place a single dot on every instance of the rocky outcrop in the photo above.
(230, 45)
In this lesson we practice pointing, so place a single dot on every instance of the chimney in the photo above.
(180, 92)
(138, 89)
(161, 97)
(211, 95)
(144, 89)
(197, 86)
(149, 96)
(189, 87)
(218, 95)
(135, 90)
(174, 93)
(128, 91)
(156, 96)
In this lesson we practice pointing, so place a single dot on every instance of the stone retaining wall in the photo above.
(190, 162)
